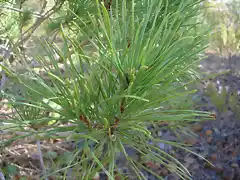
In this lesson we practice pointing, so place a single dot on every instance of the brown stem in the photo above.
(108, 4)
(213, 116)
(116, 122)
(85, 120)
(129, 43)
(41, 159)
(114, 126)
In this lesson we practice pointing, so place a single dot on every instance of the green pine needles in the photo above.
(135, 58)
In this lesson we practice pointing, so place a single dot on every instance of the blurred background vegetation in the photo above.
(224, 18)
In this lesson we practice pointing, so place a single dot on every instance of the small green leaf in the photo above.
(26, 17)
(52, 122)
(12, 170)
(23, 178)
(51, 155)
(105, 123)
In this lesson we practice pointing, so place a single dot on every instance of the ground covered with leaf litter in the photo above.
(218, 141)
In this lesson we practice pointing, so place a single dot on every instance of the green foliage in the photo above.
(10, 171)
(218, 99)
(136, 62)
(222, 100)
(26, 17)
(234, 104)
(225, 18)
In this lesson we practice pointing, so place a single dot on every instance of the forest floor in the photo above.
(218, 141)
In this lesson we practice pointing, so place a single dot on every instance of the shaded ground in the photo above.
(218, 141)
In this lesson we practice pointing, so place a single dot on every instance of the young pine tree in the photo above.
(118, 67)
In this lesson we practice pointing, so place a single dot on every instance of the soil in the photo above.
(218, 141)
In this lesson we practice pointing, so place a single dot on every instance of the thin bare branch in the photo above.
(44, 6)
(27, 34)
(3, 80)
(41, 159)
(20, 133)
(35, 14)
